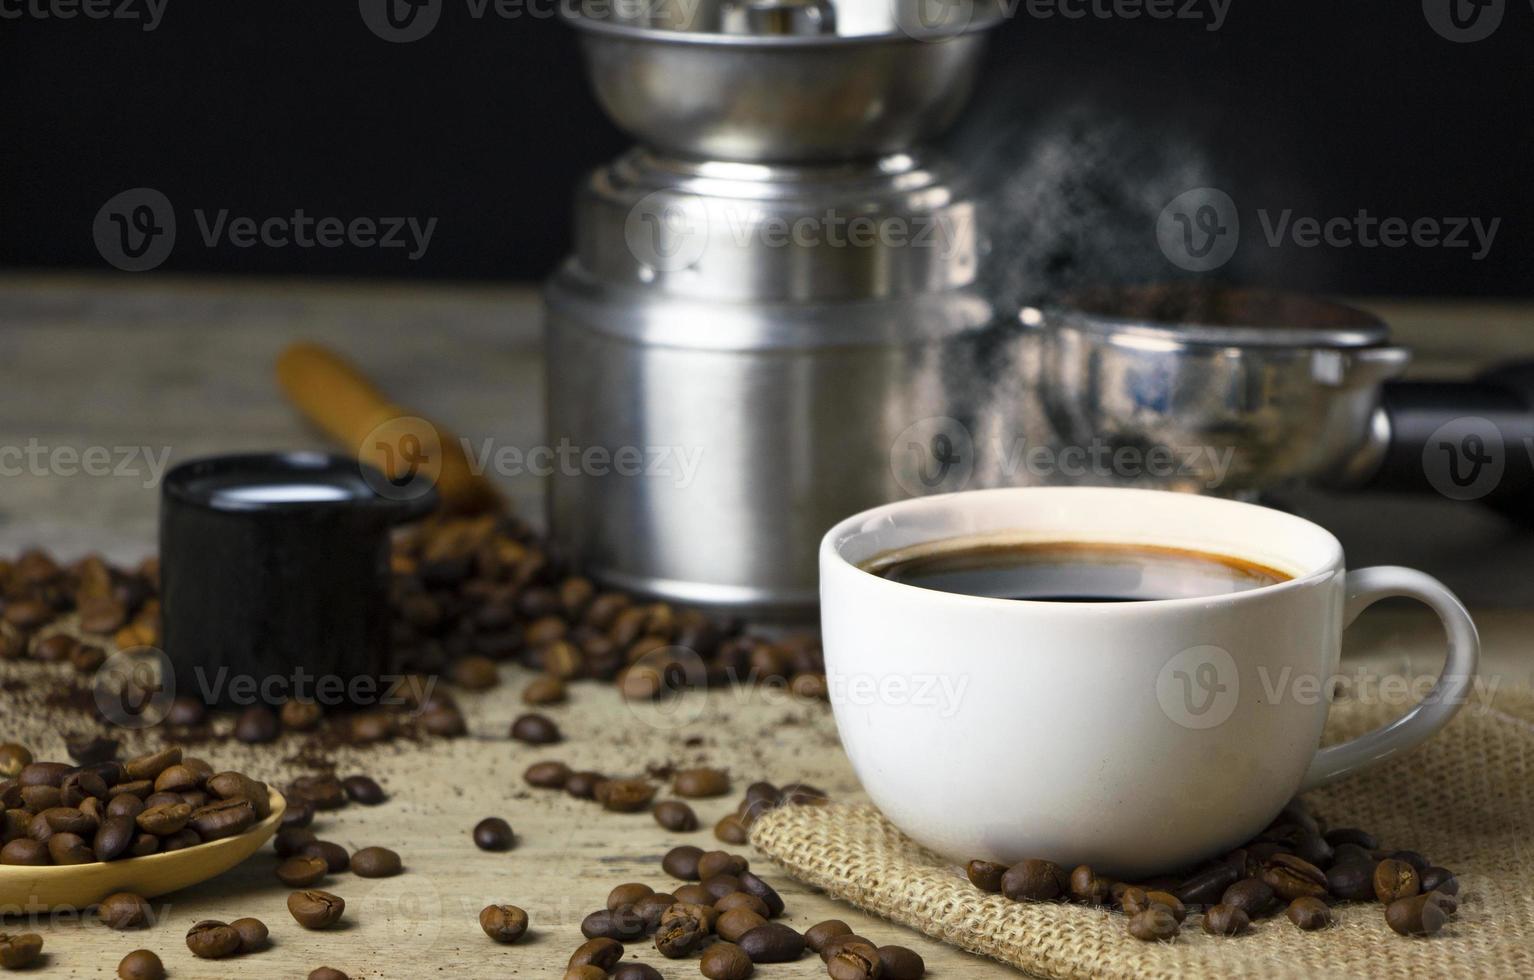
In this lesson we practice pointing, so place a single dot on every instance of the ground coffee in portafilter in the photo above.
(1296, 867)
(1071, 571)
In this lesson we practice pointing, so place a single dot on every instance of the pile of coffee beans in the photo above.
(61, 813)
(211, 939)
(723, 914)
(1296, 866)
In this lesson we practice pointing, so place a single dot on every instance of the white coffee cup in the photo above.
(1137, 737)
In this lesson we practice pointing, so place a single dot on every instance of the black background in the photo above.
(1084, 129)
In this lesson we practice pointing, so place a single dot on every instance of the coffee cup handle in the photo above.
(1365, 587)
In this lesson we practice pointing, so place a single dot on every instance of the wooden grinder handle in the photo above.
(334, 395)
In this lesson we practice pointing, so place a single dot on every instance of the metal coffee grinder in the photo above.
(766, 293)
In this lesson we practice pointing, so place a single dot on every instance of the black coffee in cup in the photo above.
(1071, 571)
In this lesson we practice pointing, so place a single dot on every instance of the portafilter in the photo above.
(1277, 387)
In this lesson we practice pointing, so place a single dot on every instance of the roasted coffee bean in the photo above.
(13, 759)
(1353, 881)
(113, 838)
(257, 725)
(855, 961)
(212, 940)
(700, 783)
(376, 862)
(737, 922)
(623, 924)
(301, 716)
(1087, 887)
(221, 819)
(77, 787)
(315, 909)
(628, 894)
(87, 750)
(334, 855)
(675, 816)
(1309, 914)
(625, 795)
(1293, 877)
(720, 885)
(901, 963)
(152, 764)
(1226, 920)
(364, 790)
(753, 885)
(714, 863)
(43, 774)
(535, 729)
(40, 798)
(1395, 879)
(603, 954)
(503, 923)
(300, 871)
(1034, 880)
(298, 815)
(238, 786)
(67, 848)
(1440, 880)
(1417, 861)
(1353, 854)
(124, 805)
(144, 845)
(444, 721)
(288, 841)
(985, 875)
(1338, 836)
(164, 819)
(1417, 915)
(542, 690)
(695, 895)
(547, 775)
(635, 971)
(583, 785)
(64, 819)
(54, 649)
(25, 852)
(1206, 886)
(682, 862)
(19, 951)
(327, 973)
(835, 945)
(474, 673)
(682, 929)
(742, 900)
(494, 834)
(585, 972)
(371, 726)
(253, 934)
(772, 943)
(732, 829)
(186, 712)
(141, 964)
(818, 935)
(1250, 895)
(1136, 900)
(1153, 924)
(725, 961)
(175, 842)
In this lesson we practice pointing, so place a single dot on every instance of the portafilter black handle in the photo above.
(1469, 440)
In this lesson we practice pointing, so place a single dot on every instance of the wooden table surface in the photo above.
(185, 367)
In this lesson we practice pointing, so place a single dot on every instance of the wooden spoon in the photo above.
(28, 889)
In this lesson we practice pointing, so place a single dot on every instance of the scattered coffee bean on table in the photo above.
(817, 935)
(364, 790)
(1420, 915)
(494, 834)
(700, 783)
(682, 862)
(19, 950)
(900, 963)
(1154, 923)
(376, 862)
(726, 961)
(211, 939)
(252, 932)
(636, 971)
(854, 960)
(772, 943)
(314, 909)
(535, 729)
(503, 923)
(547, 775)
(141, 964)
(676, 816)
(333, 854)
(327, 973)
(125, 910)
(602, 954)
(1309, 913)
(1226, 920)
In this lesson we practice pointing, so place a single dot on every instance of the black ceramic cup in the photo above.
(274, 575)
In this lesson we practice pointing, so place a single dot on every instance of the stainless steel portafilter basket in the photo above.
(784, 80)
